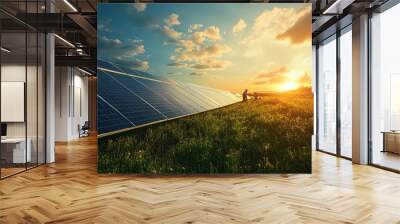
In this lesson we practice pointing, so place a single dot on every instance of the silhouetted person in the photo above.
(255, 96)
(244, 95)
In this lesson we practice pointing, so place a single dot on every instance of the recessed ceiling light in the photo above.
(337, 7)
(86, 72)
(70, 5)
(5, 50)
(64, 40)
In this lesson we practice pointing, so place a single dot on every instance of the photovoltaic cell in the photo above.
(153, 94)
(180, 100)
(129, 104)
(109, 119)
(195, 96)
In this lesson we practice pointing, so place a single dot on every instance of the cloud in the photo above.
(140, 18)
(273, 77)
(130, 48)
(212, 33)
(210, 64)
(123, 52)
(106, 42)
(195, 49)
(176, 64)
(202, 64)
(105, 25)
(186, 44)
(168, 30)
(201, 52)
(198, 37)
(197, 73)
(259, 82)
(278, 79)
(171, 33)
(134, 64)
(172, 20)
(239, 26)
(304, 80)
(140, 7)
(277, 76)
(272, 22)
(135, 50)
(194, 27)
(198, 48)
(274, 72)
(300, 31)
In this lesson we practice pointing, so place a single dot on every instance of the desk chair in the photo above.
(84, 130)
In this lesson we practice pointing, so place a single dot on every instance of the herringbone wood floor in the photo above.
(70, 191)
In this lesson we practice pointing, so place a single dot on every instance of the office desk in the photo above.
(391, 141)
(13, 150)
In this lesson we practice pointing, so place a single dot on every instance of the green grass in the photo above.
(271, 135)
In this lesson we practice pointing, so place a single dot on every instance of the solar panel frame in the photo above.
(107, 65)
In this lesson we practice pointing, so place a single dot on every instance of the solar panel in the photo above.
(203, 102)
(128, 97)
(216, 95)
(200, 97)
(156, 95)
(206, 95)
(109, 119)
(187, 105)
(130, 105)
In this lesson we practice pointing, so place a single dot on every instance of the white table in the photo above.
(19, 153)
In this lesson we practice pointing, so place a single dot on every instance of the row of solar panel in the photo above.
(127, 98)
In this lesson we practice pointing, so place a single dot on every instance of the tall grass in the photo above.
(271, 135)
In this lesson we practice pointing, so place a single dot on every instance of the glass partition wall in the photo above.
(334, 91)
(327, 95)
(22, 77)
(385, 89)
(345, 61)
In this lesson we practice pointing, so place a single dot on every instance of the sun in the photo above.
(288, 86)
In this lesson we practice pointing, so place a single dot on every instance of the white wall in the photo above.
(71, 102)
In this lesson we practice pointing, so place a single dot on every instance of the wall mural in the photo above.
(204, 88)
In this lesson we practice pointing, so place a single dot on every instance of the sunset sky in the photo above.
(258, 46)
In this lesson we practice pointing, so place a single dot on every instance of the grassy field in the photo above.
(269, 135)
